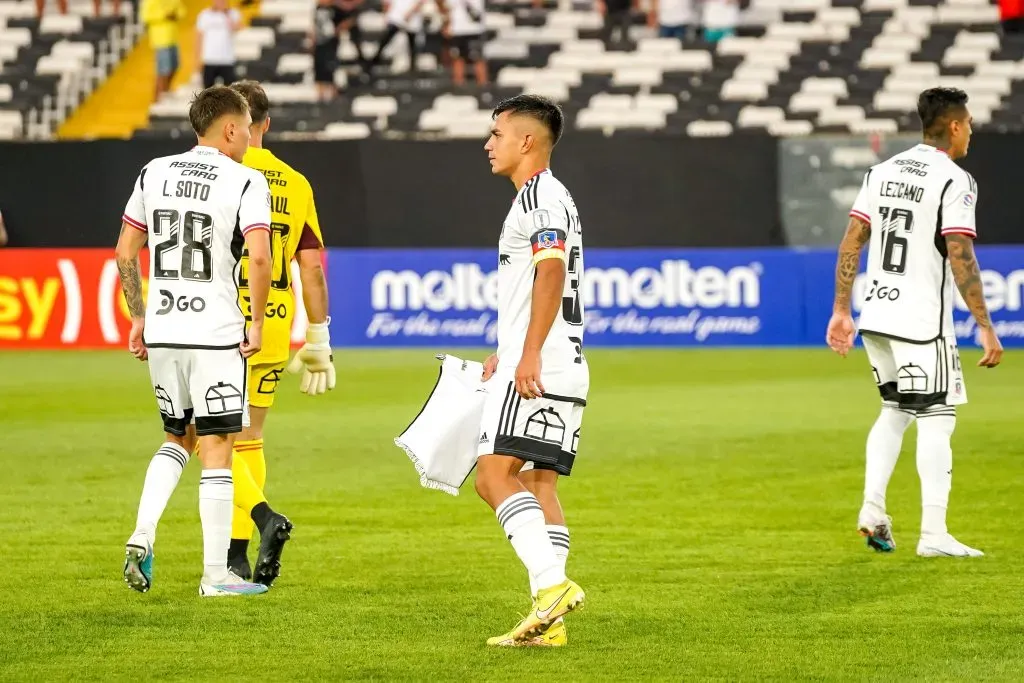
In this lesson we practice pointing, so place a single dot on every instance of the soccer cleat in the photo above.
(554, 636)
(945, 545)
(233, 586)
(138, 566)
(239, 566)
(878, 532)
(272, 539)
(549, 605)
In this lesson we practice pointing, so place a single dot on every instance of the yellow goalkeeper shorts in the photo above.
(263, 381)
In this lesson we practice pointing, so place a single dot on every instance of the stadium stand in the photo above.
(794, 67)
(49, 65)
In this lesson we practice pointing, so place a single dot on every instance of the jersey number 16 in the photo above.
(895, 224)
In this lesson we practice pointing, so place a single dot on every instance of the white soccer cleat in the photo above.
(232, 586)
(945, 545)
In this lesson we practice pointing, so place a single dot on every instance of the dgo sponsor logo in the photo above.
(461, 302)
(1004, 294)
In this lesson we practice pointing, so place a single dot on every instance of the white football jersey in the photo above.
(912, 201)
(543, 223)
(196, 208)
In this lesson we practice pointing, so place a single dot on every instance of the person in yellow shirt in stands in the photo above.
(161, 18)
(295, 234)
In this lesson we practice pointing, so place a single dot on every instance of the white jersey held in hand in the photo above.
(196, 208)
(543, 223)
(912, 201)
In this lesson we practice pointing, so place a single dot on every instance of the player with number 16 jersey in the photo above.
(915, 213)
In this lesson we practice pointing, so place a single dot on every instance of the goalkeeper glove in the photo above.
(315, 360)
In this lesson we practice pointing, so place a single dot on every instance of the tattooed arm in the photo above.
(967, 276)
(857, 235)
(129, 244)
(841, 330)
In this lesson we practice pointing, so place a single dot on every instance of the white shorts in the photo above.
(545, 432)
(204, 385)
(916, 376)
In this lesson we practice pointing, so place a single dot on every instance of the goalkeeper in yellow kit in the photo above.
(295, 234)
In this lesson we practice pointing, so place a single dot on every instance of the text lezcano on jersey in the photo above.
(542, 223)
(912, 201)
(196, 208)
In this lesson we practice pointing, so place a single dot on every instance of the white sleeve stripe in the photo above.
(255, 226)
(861, 215)
(959, 231)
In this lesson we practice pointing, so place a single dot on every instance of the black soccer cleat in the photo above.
(273, 536)
(240, 567)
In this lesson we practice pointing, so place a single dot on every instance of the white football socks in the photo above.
(883, 450)
(935, 467)
(521, 517)
(559, 536)
(216, 494)
(161, 479)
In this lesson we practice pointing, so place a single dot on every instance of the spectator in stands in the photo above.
(324, 40)
(161, 19)
(350, 10)
(618, 15)
(404, 16)
(720, 19)
(96, 6)
(464, 26)
(3, 232)
(62, 5)
(215, 42)
(673, 18)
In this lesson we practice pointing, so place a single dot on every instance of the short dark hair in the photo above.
(938, 106)
(256, 96)
(540, 108)
(212, 103)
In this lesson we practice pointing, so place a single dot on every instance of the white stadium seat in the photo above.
(345, 131)
(825, 86)
(663, 103)
(60, 23)
(636, 76)
(811, 102)
(709, 129)
(791, 128)
(873, 126)
(840, 116)
(368, 105)
(608, 102)
(753, 116)
(744, 91)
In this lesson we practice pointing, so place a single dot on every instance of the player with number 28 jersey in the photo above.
(197, 211)
(197, 207)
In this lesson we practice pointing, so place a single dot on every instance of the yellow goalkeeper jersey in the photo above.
(294, 226)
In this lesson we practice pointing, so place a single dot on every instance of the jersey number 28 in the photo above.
(196, 240)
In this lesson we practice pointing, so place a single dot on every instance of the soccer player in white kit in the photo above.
(915, 212)
(197, 210)
(538, 380)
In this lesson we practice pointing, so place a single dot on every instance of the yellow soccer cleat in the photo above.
(550, 604)
(554, 636)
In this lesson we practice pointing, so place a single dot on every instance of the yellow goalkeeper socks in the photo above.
(249, 471)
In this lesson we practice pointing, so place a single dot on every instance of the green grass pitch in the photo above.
(712, 513)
